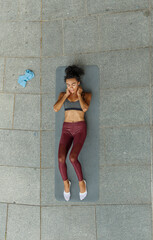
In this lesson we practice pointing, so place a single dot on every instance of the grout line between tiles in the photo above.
(151, 134)
(82, 53)
(6, 222)
(101, 127)
(63, 35)
(53, 130)
(19, 6)
(40, 110)
(101, 166)
(98, 28)
(96, 224)
(77, 17)
(4, 74)
(49, 93)
(86, 8)
(85, 204)
(13, 111)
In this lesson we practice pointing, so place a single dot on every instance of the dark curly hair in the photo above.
(73, 71)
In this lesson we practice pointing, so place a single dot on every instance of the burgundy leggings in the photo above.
(76, 132)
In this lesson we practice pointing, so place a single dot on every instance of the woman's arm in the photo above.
(85, 101)
(61, 99)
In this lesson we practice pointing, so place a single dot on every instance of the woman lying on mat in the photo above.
(76, 103)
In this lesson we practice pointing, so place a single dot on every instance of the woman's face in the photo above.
(72, 85)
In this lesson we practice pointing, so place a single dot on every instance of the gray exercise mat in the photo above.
(89, 154)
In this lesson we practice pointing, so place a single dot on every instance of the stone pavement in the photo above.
(42, 35)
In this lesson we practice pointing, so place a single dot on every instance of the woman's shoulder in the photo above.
(87, 94)
(62, 93)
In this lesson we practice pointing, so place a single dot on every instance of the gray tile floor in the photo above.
(42, 35)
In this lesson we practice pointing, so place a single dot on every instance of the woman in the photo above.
(76, 103)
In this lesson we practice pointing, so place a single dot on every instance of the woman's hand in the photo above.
(67, 92)
(79, 91)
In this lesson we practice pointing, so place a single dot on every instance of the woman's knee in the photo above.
(73, 158)
(61, 159)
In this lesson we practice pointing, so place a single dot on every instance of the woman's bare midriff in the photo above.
(74, 116)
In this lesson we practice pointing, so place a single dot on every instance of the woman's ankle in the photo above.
(66, 182)
(66, 186)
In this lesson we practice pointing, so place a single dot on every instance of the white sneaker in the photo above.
(67, 194)
(83, 195)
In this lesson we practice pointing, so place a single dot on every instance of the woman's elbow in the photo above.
(85, 109)
(55, 109)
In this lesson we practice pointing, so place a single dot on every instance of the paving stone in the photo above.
(20, 185)
(1, 73)
(9, 10)
(89, 59)
(125, 185)
(62, 9)
(123, 30)
(77, 226)
(3, 213)
(152, 104)
(127, 145)
(152, 67)
(48, 113)
(81, 35)
(102, 156)
(124, 222)
(52, 38)
(47, 149)
(48, 187)
(20, 39)
(20, 148)
(23, 222)
(72, 35)
(150, 12)
(49, 66)
(128, 68)
(151, 178)
(114, 67)
(124, 106)
(16, 67)
(6, 110)
(99, 6)
(27, 112)
(30, 10)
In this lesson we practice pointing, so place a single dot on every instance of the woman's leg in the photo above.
(64, 146)
(80, 132)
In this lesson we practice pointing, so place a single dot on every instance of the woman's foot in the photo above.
(83, 194)
(66, 192)
(82, 186)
